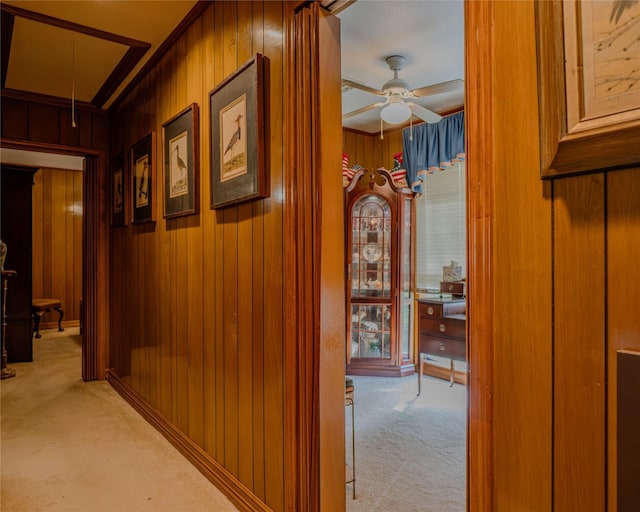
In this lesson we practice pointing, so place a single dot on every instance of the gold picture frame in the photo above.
(589, 89)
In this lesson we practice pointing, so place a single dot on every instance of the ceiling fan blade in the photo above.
(424, 114)
(361, 110)
(366, 88)
(450, 86)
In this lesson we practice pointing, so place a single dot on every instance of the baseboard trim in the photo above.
(433, 370)
(236, 491)
(54, 325)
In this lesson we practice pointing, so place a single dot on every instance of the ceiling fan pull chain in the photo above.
(381, 129)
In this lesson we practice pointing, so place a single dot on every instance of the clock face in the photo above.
(371, 252)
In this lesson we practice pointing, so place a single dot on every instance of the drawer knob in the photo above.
(442, 347)
(429, 310)
(442, 327)
(450, 287)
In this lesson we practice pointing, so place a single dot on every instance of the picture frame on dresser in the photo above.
(238, 135)
(143, 179)
(181, 167)
(118, 191)
(589, 91)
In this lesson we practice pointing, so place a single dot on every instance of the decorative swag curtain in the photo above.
(434, 147)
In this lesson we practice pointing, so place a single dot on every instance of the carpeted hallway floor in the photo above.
(73, 446)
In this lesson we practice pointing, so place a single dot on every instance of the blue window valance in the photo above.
(434, 147)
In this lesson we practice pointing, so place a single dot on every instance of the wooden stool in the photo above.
(39, 307)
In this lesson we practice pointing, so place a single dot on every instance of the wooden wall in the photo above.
(557, 258)
(368, 151)
(57, 241)
(197, 302)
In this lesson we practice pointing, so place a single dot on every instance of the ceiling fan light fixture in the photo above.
(395, 113)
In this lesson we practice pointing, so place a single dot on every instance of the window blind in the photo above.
(440, 226)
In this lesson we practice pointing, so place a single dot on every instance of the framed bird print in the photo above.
(143, 177)
(118, 217)
(181, 164)
(238, 114)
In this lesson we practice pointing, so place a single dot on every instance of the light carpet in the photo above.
(410, 450)
(73, 446)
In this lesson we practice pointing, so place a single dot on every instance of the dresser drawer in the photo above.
(430, 310)
(454, 349)
(448, 326)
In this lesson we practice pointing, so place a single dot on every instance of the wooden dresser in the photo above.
(441, 330)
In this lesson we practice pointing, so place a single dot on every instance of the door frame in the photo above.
(479, 126)
(95, 268)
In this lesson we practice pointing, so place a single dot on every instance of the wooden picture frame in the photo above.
(589, 92)
(118, 191)
(181, 163)
(238, 115)
(143, 179)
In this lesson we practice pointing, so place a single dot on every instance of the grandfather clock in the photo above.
(379, 296)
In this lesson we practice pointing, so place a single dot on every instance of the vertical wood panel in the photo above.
(245, 292)
(219, 75)
(195, 264)
(259, 298)
(208, 243)
(522, 250)
(37, 230)
(273, 267)
(579, 344)
(623, 293)
(57, 241)
(46, 129)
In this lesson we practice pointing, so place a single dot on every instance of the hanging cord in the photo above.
(411, 128)
(381, 129)
(73, 84)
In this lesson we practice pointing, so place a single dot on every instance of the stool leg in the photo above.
(59, 310)
(36, 322)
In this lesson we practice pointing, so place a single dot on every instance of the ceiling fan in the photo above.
(395, 109)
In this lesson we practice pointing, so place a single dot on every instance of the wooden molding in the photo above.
(479, 52)
(240, 495)
(7, 21)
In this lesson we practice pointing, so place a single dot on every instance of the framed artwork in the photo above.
(238, 135)
(181, 164)
(589, 86)
(118, 214)
(143, 179)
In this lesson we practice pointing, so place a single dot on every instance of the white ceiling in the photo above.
(429, 33)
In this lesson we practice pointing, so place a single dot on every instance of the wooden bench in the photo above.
(39, 307)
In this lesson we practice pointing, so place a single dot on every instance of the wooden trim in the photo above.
(74, 27)
(301, 365)
(191, 16)
(240, 495)
(45, 99)
(95, 304)
(118, 75)
(479, 50)
(7, 34)
(441, 372)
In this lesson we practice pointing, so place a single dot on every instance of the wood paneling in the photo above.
(369, 151)
(552, 292)
(197, 301)
(579, 343)
(57, 241)
(623, 294)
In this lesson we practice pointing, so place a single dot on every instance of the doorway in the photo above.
(94, 274)
(369, 139)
